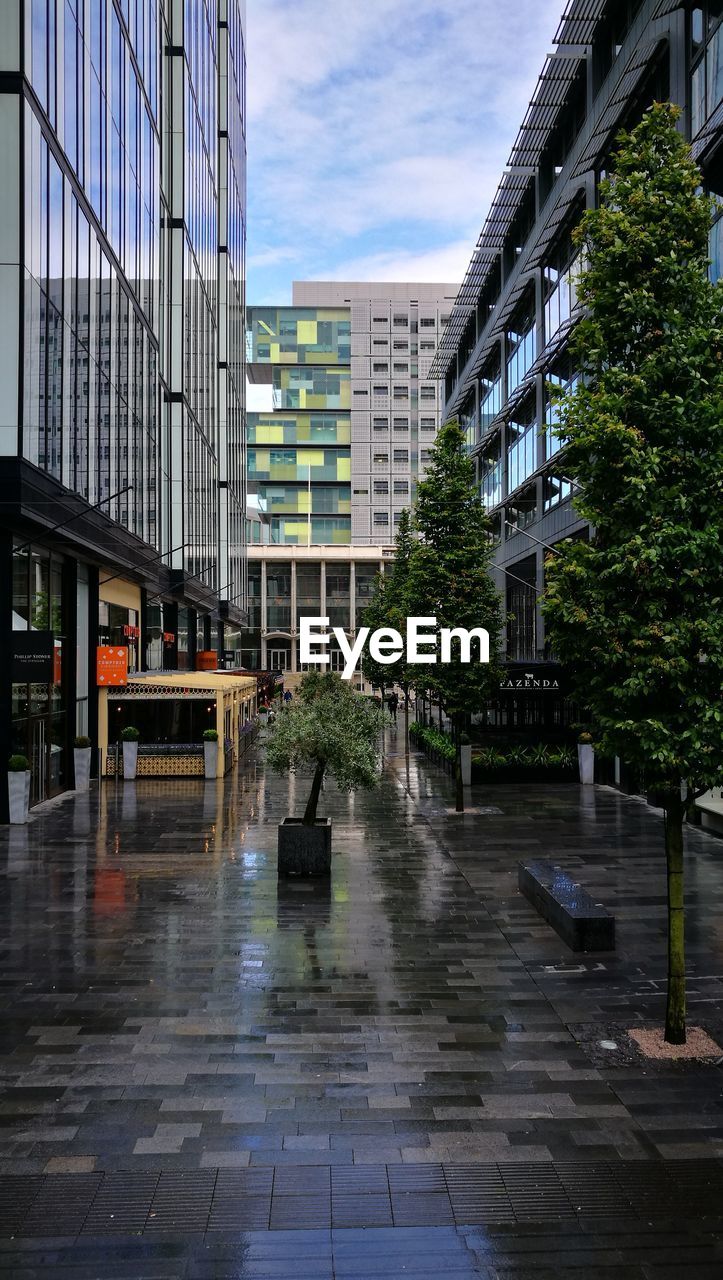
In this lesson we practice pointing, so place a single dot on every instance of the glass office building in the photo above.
(507, 343)
(122, 345)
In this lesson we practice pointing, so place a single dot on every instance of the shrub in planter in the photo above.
(82, 752)
(336, 731)
(210, 753)
(18, 788)
(130, 736)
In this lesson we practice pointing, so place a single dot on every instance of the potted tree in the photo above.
(336, 731)
(586, 759)
(18, 788)
(81, 763)
(130, 736)
(210, 753)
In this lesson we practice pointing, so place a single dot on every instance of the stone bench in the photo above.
(583, 924)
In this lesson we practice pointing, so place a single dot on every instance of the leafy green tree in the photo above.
(374, 617)
(637, 612)
(396, 604)
(449, 579)
(331, 728)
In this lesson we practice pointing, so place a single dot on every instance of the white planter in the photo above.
(586, 762)
(130, 760)
(81, 758)
(18, 795)
(465, 753)
(210, 759)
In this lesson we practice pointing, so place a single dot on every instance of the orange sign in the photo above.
(207, 660)
(111, 665)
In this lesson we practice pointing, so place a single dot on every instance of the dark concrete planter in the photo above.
(304, 851)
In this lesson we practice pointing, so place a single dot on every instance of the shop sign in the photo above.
(544, 680)
(131, 633)
(33, 657)
(169, 637)
(111, 665)
(207, 660)
(229, 657)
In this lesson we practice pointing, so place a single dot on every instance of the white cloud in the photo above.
(443, 265)
(378, 129)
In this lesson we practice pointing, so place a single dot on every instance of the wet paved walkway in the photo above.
(191, 1051)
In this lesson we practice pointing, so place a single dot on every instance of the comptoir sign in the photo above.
(421, 645)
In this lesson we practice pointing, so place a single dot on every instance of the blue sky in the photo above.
(378, 130)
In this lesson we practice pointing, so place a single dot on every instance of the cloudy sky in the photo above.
(378, 130)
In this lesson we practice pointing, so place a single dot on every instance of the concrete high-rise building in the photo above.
(122, 349)
(336, 456)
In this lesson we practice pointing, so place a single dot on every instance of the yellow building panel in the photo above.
(343, 469)
(297, 528)
(311, 458)
(303, 501)
(270, 434)
(306, 332)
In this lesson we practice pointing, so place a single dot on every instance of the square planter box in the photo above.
(304, 851)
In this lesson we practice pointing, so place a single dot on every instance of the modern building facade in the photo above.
(508, 338)
(395, 406)
(336, 458)
(122, 232)
(288, 583)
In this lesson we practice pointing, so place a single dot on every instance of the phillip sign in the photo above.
(387, 645)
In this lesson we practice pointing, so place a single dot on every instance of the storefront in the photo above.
(40, 659)
(171, 713)
(119, 616)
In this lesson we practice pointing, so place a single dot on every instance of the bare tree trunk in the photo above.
(675, 1011)
(311, 805)
(459, 787)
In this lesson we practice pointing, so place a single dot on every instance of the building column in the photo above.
(264, 620)
(352, 596)
(294, 628)
(6, 687)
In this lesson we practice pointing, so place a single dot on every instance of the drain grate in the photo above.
(312, 1197)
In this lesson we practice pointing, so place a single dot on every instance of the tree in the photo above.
(374, 617)
(331, 728)
(637, 612)
(396, 601)
(388, 608)
(449, 578)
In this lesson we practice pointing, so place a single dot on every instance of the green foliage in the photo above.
(130, 733)
(331, 728)
(432, 738)
(379, 675)
(210, 735)
(448, 575)
(540, 756)
(18, 764)
(637, 613)
(82, 742)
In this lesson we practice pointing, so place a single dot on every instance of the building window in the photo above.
(401, 455)
(401, 424)
(521, 448)
(381, 486)
(381, 517)
(555, 489)
(381, 424)
(360, 393)
(400, 368)
(426, 346)
(428, 393)
(562, 377)
(425, 455)
(490, 487)
(401, 322)
(400, 345)
(381, 458)
(707, 81)
(427, 424)
(401, 487)
(521, 348)
(381, 391)
(401, 393)
(381, 342)
(426, 322)
(380, 367)
(381, 319)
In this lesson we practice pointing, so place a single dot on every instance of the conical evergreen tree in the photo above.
(637, 612)
(449, 579)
